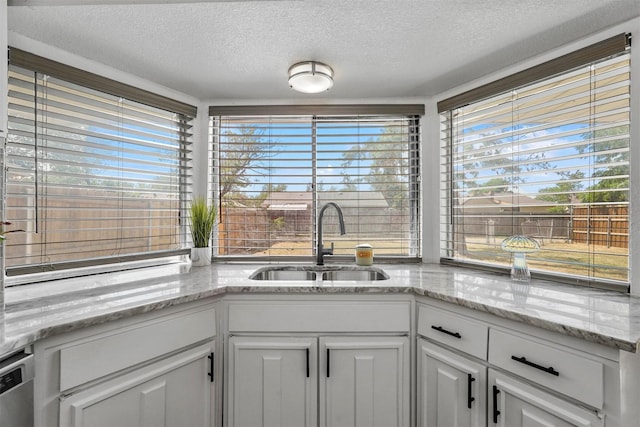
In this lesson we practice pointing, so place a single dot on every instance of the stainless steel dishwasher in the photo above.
(16, 391)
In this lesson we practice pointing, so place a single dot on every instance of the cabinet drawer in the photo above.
(455, 331)
(556, 368)
(322, 316)
(125, 347)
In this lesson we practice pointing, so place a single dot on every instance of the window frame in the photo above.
(413, 112)
(606, 48)
(184, 115)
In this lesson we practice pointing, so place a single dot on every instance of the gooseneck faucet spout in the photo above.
(320, 251)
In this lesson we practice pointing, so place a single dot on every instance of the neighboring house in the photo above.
(295, 200)
(492, 215)
(497, 203)
(292, 211)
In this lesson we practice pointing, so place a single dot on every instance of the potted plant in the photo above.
(203, 218)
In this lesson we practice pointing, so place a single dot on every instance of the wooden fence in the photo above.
(243, 231)
(601, 225)
(597, 225)
(85, 223)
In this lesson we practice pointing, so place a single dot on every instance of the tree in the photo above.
(613, 182)
(387, 174)
(563, 191)
(53, 160)
(241, 151)
(491, 151)
(492, 186)
(613, 186)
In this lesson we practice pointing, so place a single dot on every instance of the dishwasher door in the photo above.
(16, 391)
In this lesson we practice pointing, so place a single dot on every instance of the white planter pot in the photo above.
(200, 256)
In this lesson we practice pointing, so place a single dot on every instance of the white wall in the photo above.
(431, 134)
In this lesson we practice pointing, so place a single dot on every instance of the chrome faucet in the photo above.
(321, 252)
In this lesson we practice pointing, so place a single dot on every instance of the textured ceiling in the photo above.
(237, 50)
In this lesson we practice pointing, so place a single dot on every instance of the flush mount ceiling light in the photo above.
(310, 77)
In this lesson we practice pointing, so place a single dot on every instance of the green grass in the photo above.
(556, 256)
(561, 256)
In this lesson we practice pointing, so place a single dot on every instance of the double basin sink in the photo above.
(318, 273)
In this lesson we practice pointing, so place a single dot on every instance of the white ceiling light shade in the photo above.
(310, 77)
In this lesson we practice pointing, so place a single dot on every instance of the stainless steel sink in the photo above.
(368, 274)
(318, 273)
(283, 275)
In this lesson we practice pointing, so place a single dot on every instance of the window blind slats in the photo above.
(549, 160)
(609, 47)
(275, 172)
(26, 60)
(91, 177)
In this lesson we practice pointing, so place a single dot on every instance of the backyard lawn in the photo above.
(562, 256)
(341, 247)
(556, 255)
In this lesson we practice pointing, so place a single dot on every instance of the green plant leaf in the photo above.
(202, 218)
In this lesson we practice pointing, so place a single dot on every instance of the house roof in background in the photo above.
(295, 200)
(504, 201)
(288, 200)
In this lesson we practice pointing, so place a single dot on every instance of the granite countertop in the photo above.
(38, 311)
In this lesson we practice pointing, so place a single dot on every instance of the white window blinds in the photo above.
(91, 177)
(549, 160)
(275, 172)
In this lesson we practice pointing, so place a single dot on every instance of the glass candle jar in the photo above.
(364, 254)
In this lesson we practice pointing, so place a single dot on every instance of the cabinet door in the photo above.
(272, 382)
(516, 404)
(176, 391)
(451, 388)
(364, 381)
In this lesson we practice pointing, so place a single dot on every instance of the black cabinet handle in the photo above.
(524, 360)
(444, 331)
(307, 363)
(495, 404)
(470, 397)
(211, 366)
(328, 362)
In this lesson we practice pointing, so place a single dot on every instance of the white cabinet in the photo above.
(365, 381)
(272, 381)
(516, 404)
(155, 369)
(516, 374)
(552, 366)
(361, 381)
(332, 360)
(451, 388)
(172, 392)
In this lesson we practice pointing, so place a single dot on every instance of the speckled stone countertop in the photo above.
(38, 311)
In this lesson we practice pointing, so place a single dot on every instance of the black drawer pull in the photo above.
(524, 360)
(307, 362)
(211, 366)
(328, 363)
(444, 331)
(495, 404)
(470, 397)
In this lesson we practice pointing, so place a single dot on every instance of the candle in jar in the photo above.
(364, 254)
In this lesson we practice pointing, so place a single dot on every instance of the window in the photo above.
(275, 171)
(93, 176)
(547, 158)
